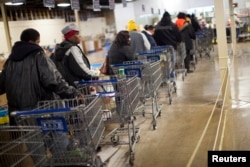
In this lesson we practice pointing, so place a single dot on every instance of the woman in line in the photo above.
(120, 50)
(149, 32)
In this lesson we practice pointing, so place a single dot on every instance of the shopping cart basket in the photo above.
(204, 42)
(151, 79)
(180, 57)
(120, 98)
(73, 129)
(166, 56)
(21, 146)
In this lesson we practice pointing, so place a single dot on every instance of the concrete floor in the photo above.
(194, 123)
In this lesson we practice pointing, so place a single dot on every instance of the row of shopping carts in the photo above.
(69, 132)
(72, 130)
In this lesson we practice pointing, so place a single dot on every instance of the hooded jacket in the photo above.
(166, 32)
(72, 63)
(29, 76)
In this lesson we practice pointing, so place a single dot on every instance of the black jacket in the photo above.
(188, 34)
(117, 55)
(29, 76)
(167, 34)
(72, 63)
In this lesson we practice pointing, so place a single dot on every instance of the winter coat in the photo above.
(167, 34)
(29, 76)
(188, 34)
(72, 63)
(117, 55)
(150, 39)
(139, 42)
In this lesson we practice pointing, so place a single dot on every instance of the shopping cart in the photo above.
(193, 54)
(151, 79)
(120, 98)
(166, 55)
(179, 63)
(73, 129)
(204, 42)
(21, 146)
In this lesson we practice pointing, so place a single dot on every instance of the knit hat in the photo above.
(132, 25)
(69, 30)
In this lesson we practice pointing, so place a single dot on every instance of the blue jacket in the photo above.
(150, 39)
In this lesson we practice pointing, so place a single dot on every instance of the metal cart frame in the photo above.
(13, 141)
(166, 55)
(72, 128)
(151, 79)
(120, 98)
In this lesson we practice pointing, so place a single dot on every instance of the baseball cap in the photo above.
(68, 28)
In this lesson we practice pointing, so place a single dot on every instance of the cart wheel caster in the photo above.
(143, 113)
(133, 139)
(132, 159)
(154, 125)
(114, 139)
(159, 115)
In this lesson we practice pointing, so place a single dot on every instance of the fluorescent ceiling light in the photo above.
(129, 0)
(63, 4)
(13, 4)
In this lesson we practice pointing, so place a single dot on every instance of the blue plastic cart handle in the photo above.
(96, 81)
(42, 111)
(162, 47)
(122, 65)
(150, 52)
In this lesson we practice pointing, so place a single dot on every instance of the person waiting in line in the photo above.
(70, 59)
(194, 21)
(139, 42)
(166, 32)
(120, 50)
(187, 34)
(29, 76)
(149, 32)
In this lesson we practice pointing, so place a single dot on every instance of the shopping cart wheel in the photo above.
(175, 88)
(159, 114)
(114, 139)
(154, 125)
(132, 159)
(170, 100)
(134, 139)
(143, 113)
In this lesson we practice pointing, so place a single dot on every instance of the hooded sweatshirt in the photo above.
(29, 76)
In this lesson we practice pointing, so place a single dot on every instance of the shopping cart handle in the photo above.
(41, 111)
(96, 81)
(129, 64)
(151, 52)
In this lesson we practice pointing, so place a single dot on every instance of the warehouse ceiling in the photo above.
(84, 4)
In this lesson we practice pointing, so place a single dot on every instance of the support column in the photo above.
(6, 27)
(222, 50)
(233, 27)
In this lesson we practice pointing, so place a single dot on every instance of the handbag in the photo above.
(105, 66)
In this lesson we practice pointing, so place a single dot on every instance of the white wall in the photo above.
(134, 10)
(50, 30)
(123, 15)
